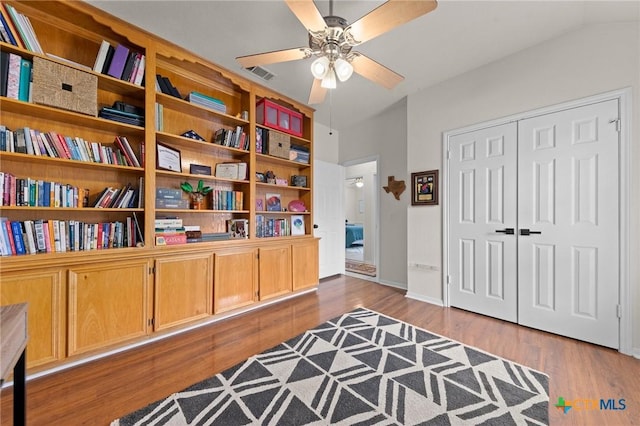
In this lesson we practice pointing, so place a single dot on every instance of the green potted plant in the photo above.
(197, 194)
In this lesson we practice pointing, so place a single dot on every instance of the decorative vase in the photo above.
(197, 201)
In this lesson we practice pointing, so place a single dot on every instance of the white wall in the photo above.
(385, 136)
(325, 146)
(586, 62)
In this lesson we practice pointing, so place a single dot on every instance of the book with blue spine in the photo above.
(16, 230)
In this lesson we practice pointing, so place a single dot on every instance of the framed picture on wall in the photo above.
(424, 188)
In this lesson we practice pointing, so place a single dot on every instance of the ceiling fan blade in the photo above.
(370, 69)
(273, 57)
(386, 17)
(308, 14)
(318, 92)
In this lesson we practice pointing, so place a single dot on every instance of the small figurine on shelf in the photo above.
(197, 195)
(270, 176)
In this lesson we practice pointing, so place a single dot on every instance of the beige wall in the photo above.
(586, 62)
(385, 136)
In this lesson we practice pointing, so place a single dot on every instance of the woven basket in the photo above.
(64, 87)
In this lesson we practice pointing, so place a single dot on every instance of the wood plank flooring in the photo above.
(103, 390)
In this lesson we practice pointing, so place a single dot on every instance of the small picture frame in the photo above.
(424, 188)
(168, 158)
(297, 224)
(273, 203)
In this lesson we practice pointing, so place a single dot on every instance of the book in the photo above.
(101, 56)
(107, 60)
(139, 76)
(9, 31)
(118, 61)
(4, 72)
(272, 201)
(128, 66)
(13, 76)
(19, 27)
(18, 239)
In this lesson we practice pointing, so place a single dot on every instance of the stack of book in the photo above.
(120, 62)
(207, 102)
(170, 231)
(16, 29)
(128, 115)
(169, 198)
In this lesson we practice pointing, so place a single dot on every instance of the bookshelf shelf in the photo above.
(186, 107)
(294, 139)
(181, 141)
(274, 187)
(201, 212)
(276, 160)
(65, 162)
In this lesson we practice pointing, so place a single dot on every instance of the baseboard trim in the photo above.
(431, 300)
(393, 284)
(635, 353)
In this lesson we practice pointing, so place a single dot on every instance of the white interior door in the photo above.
(553, 179)
(482, 218)
(568, 192)
(328, 214)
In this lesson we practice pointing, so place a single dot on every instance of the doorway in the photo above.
(360, 204)
(534, 220)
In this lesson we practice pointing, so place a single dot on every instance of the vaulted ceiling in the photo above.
(455, 38)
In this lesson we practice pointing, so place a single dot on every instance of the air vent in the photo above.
(261, 72)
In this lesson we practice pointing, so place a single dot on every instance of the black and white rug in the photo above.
(362, 368)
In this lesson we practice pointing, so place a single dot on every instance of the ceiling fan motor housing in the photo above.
(331, 42)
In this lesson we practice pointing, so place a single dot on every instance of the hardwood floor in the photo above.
(103, 390)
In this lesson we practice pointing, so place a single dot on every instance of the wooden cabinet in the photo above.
(234, 282)
(43, 291)
(304, 259)
(275, 271)
(108, 303)
(183, 289)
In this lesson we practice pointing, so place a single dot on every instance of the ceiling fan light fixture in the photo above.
(343, 69)
(320, 67)
(359, 182)
(329, 80)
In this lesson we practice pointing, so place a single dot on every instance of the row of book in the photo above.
(272, 227)
(237, 138)
(59, 236)
(227, 200)
(164, 85)
(203, 100)
(126, 197)
(15, 76)
(29, 192)
(16, 29)
(51, 144)
(120, 62)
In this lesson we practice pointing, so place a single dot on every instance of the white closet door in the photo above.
(482, 210)
(568, 194)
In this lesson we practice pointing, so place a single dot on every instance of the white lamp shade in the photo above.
(343, 69)
(329, 81)
(320, 67)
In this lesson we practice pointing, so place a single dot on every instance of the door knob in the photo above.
(525, 231)
(508, 231)
(315, 226)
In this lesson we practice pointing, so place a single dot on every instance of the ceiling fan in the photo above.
(331, 40)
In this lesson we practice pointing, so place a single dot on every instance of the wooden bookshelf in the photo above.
(76, 297)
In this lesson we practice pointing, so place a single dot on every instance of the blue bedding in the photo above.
(353, 233)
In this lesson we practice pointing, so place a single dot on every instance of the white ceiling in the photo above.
(455, 38)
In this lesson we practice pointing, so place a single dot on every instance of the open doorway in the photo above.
(361, 221)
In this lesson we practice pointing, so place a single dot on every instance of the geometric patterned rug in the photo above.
(360, 267)
(362, 368)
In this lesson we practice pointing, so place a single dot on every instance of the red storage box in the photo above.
(278, 117)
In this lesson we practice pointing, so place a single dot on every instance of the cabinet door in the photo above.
(305, 264)
(234, 279)
(107, 304)
(183, 289)
(275, 271)
(43, 291)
